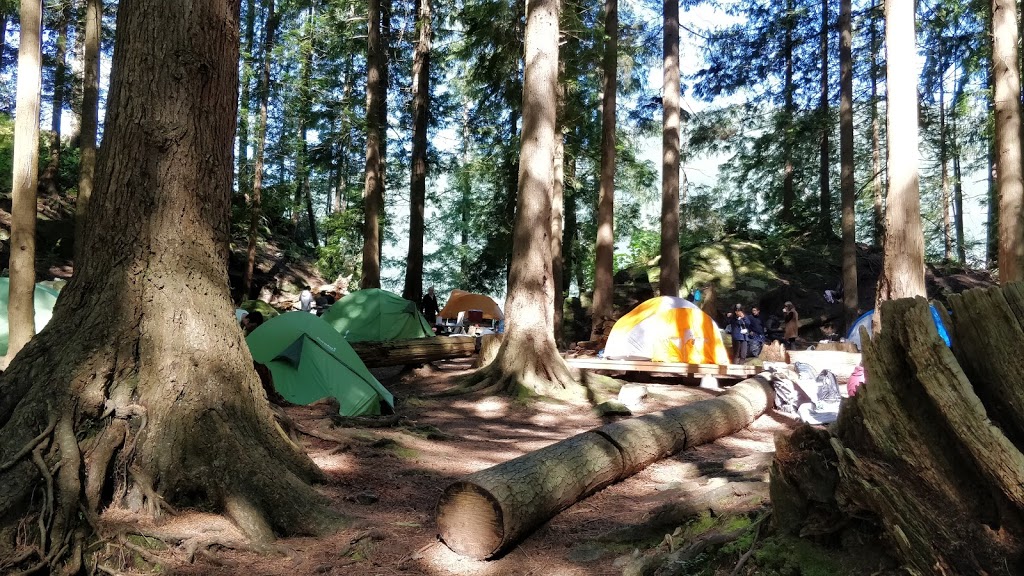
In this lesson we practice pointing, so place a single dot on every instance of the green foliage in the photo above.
(783, 556)
(341, 253)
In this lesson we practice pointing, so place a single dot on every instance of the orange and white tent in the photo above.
(667, 329)
(462, 301)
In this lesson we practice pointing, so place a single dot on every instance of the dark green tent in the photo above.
(44, 298)
(375, 315)
(309, 361)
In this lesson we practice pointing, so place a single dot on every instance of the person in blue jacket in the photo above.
(739, 329)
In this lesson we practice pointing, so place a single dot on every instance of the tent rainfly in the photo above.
(462, 301)
(375, 315)
(308, 361)
(667, 329)
(44, 298)
(867, 318)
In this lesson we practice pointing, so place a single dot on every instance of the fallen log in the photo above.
(484, 513)
(418, 350)
(929, 452)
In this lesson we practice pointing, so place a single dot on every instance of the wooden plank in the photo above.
(662, 367)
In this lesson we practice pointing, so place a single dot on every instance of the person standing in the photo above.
(428, 305)
(306, 299)
(739, 328)
(790, 324)
(755, 338)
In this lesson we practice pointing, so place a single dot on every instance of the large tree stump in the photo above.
(929, 449)
(486, 512)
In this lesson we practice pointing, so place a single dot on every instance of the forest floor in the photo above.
(389, 480)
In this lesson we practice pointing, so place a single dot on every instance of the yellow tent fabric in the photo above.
(667, 329)
(460, 301)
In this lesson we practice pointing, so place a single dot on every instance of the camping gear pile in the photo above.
(799, 389)
(667, 329)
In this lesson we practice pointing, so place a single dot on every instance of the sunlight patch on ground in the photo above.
(741, 445)
(491, 406)
(673, 471)
(440, 560)
(338, 463)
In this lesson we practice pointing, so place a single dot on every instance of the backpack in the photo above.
(828, 387)
(805, 371)
(787, 395)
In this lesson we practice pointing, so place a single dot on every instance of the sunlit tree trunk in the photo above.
(557, 229)
(1008, 126)
(876, 139)
(373, 198)
(418, 185)
(825, 197)
(903, 269)
(20, 310)
(256, 199)
(90, 119)
(604, 285)
(48, 181)
(846, 161)
(668, 281)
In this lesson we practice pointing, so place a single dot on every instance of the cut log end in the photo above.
(470, 521)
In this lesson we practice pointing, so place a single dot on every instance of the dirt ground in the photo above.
(389, 480)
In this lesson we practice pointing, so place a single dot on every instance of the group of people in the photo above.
(315, 304)
(749, 332)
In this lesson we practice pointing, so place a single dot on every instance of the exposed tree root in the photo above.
(31, 445)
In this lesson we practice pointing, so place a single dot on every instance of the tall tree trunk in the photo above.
(825, 198)
(876, 140)
(947, 229)
(557, 229)
(245, 101)
(387, 54)
(256, 199)
(570, 232)
(788, 113)
(373, 198)
(992, 230)
(20, 310)
(903, 269)
(958, 193)
(1008, 140)
(418, 185)
(48, 181)
(465, 191)
(339, 202)
(303, 193)
(847, 185)
(161, 376)
(604, 283)
(90, 120)
(668, 281)
(528, 359)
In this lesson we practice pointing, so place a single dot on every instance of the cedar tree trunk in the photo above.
(90, 120)
(418, 185)
(373, 198)
(1007, 141)
(604, 283)
(48, 179)
(903, 269)
(528, 360)
(20, 311)
(846, 162)
(668, 281)
(557, 225)
(143, 354)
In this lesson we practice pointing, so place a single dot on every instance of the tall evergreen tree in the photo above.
(48, 179)
(824, 173)
(373, 198)
(603, 280)
(90, 119)
(846, 160)
(668, 280)
(418, 186)
(1006, 74)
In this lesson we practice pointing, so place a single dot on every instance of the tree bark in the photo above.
(130, 340)
(1008, 141)
(604, 283)
(245, 100)
(418, 350)
(788, 113)
(482, 515)
(825, 197)
(373, 199)
(418, 186)
(256, 199)
(876, 140)
(851, 303)
(90, 120)
(903, 269)
(668, 280)
(939, 419)
(528, 359)
(20, 309)
(48, 180)
(557, 230)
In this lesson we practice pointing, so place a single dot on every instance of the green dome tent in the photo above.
(44, 299)
(309, 361)
(374, 315)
